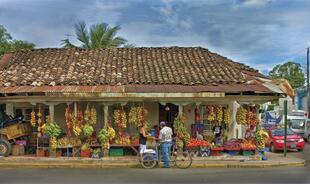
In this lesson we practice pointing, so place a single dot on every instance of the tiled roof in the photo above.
(121, 66)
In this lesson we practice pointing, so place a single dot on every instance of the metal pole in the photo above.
(308, 91)
(285, 126)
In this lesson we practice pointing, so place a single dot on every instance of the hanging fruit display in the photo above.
(120, 118)
(88, 130)
(254, 117)
(111, 133)
(136, 116)
(227, 118)
(180, 129)
(219, 113)
(241, 115)
(68, 115)
(248, 116)
(211, 113)
(87, 114)
(39, 115)
(93, 116)
(53, 131)
(33, 118)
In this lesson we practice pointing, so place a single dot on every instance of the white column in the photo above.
(105, 114)
(180, 110)
(9, 109)
(51, 108)
(75, 108)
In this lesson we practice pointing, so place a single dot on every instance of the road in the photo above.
(111, 176)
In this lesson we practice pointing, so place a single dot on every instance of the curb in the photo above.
(49, 165)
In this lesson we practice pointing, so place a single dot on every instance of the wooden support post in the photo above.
(51, 108)
(181, 110)
(9, 109)
(105, 114)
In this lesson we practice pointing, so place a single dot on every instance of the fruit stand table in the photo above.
(134, 147)
(216, 151)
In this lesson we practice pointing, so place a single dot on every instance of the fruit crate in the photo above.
(116, 152)
(248, 152)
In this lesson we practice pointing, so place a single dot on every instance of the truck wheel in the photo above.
(5, 147)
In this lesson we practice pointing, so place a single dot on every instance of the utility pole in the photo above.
(285, 126)
(308, 91)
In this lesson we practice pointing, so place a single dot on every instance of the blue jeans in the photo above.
(166, 148)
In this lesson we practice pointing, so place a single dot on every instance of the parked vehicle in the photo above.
(276, 140)
(10, 130)
(297, 121)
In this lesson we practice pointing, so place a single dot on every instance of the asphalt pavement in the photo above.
(210, 175)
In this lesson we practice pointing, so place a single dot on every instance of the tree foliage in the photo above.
(290, 71)
(8, 44)
(99, 35)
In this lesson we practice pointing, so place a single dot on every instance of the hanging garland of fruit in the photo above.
(39, 115)
(136, 116)
(211, 113)
(93, 116)
(68, 115)
(261, 137)
(254, 117)
(248, 116)
(121, 123)
(241, 115)
(33, 118)
(227, 118)
(180, 129)
(219, 114)
(87, 114)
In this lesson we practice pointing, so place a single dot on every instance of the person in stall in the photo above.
(143, 135)
(217, 131)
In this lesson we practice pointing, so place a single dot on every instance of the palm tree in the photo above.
(100, 35)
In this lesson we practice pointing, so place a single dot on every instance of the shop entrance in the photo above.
(167, 113)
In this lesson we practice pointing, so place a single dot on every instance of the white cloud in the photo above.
(255, 2)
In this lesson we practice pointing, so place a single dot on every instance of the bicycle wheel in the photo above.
(183, 160)
(148, 161)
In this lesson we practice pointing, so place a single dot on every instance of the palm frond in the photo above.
(65, 43)
(82, 33)
(129, 45)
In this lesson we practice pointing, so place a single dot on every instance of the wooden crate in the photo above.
(18, 150)
(41, 152)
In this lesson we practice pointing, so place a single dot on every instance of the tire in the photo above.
(183, 160)
(272, 148)
(5, 148)
(148, 161)
(300, 150)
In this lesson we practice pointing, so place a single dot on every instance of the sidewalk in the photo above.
(274, 160)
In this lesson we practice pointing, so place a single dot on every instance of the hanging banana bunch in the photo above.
(219, 113)
(39, 115)
(227, 118)
(93, 116)
(87, 115)
(211, 116)
(33, 118)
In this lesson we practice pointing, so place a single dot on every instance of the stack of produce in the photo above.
(219, 113)
(105, 135)
(261, 137)
(232, 145)
(136, 116)
(180, 129)
(241, 115)
(64, 142)
(211, 113)
(247, 145)
(33, 118)
(197, 142)
(53, 130)
(124, 140)
(227, 118)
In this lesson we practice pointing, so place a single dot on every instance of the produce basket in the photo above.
(248, 152)
(116, 152)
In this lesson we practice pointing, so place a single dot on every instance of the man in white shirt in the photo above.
(165, 138)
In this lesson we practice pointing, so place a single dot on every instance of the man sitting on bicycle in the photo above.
(165, 138)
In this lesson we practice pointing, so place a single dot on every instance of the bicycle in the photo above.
(152, 158)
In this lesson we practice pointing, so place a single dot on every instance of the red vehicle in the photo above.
(276, 140)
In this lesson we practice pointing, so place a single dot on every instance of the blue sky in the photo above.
(260, 33)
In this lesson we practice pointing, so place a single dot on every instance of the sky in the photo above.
(259, 33)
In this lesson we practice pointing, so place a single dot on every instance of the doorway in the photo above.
(167, 113)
